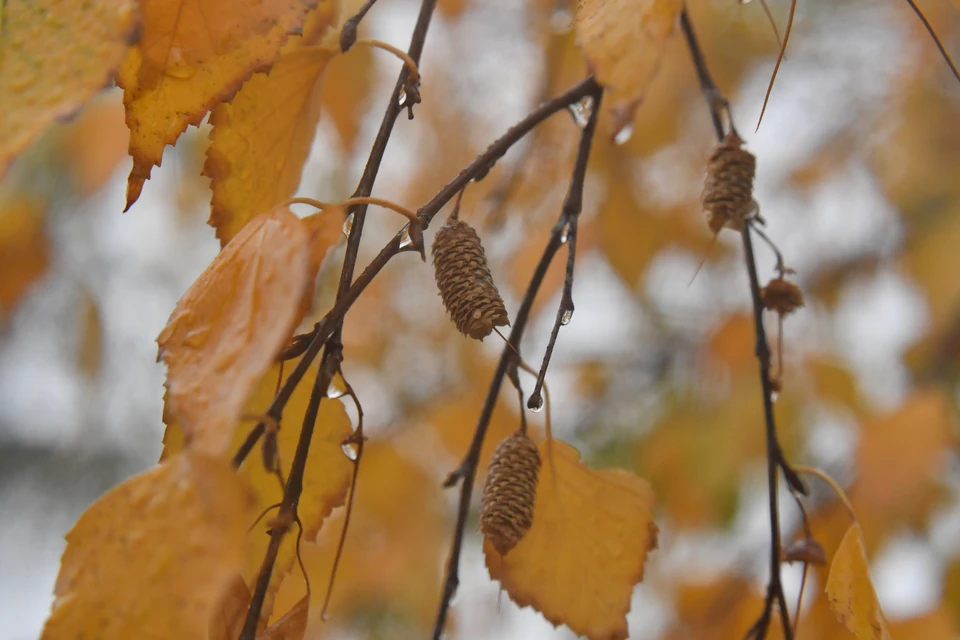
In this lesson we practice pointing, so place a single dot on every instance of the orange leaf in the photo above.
(261, 140)
(24, 250)
(56, 54)
(136, 553)
(579, 562)
(850, 590)
(193, 55)
(325, 482)
(292, 626)
(229, 614)
(231, 323)
(623, 42)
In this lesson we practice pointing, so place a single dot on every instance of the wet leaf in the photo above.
(325, 481)
(165, 541)
(55, 55)
(186, 64)
(850, 590)
(579, 562)
(261, 139)
(24, 250)
(231, 323)
(623, 42)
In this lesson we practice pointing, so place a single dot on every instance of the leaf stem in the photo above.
(386, 204)
(413, 73)
(813, 471)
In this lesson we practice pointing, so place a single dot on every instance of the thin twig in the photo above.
(936, 39)
(348, 35)
(570, 213)
(467, 471)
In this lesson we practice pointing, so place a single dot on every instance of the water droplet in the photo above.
(178, 66)
(623, 136)
(566, 317)
(405, 239)
(581, 111)
(561, 20)
(565, 235)
(535, 403)
(402, 100)
(774, 395)
(334, 391)
(348, 225)
(350, 450)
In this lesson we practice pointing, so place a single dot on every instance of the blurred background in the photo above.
(858, 179)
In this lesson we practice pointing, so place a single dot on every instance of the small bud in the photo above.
(781, 296)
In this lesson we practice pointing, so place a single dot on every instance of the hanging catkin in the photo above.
(506, 510)
(728, 189)
(465, 283)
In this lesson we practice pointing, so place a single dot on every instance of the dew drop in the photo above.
(561, 20)
(348, 225)
(350, 450)
(581, 111)
(334, 391)
(624, 134)
(405, 239)
(402, 100)
(774, 395)
(535, 404)
(178, 66)
(566, 317)
(565, 235)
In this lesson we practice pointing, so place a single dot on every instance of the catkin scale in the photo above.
(728, 189)
(465, 283)
(509, 495)
(781, 296)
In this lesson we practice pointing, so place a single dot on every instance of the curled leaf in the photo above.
(579, 562)
(231, 323)
(850, 591)
(167, 540)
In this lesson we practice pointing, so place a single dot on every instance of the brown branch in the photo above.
(328, 324)
(775, 458)
(467, 471)
(570, 214)
(936, 39)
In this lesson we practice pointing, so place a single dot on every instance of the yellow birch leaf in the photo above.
(325, 481)
(55, 55)
(623, 42)
(151, 558)
(231, 323)
(193, 55)
(579, 562)
(292, 626)
(24, 250)
(261, 140)
(850, 590)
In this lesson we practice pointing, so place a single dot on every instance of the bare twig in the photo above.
(570, 214)
(466, 472)
(775, 458)
(936, 39)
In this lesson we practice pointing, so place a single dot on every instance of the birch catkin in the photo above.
(728, 189)
(465, 283)
(509, 496)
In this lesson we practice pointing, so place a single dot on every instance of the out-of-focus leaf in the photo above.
(54, 55)
(579, 562)
(261, 139)
(833, 382)
(90, 348)
(346, 83)
(151, 558)
(850, 590)
(231, 323)
(393, 551)
(325, 481)
(291, 626)
(623, 42)
(193, 55)
(24, 250)
(95, 143)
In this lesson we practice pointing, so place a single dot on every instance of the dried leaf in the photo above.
(260, 140)
(186, 64)
(623, 42)
(852, 597)
(587, 547)
(230, 325)
(230, 612)
(55, 55)
(292, 626)
(24, 250)
(325, 481)
(151, 558)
